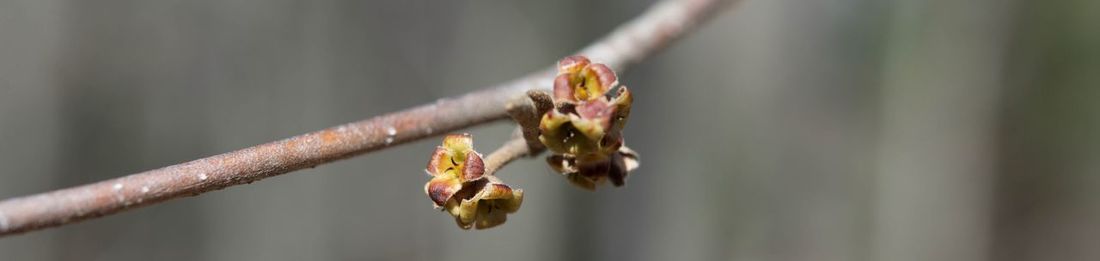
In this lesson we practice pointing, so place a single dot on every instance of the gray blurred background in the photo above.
(782, 130)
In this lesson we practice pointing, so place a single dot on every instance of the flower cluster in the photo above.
(460, 186)
(580, 123)
(584, 130)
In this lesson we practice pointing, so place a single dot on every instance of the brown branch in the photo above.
(510, 151)
(662, 23)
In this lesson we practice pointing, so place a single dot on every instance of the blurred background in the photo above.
(781, 130)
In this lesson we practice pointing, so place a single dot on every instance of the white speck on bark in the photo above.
(119, 196)
(3, 222)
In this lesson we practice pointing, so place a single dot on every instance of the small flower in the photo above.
(584, 130)
(580, 80)
(452, 165)
(585, 122)
(460, 186)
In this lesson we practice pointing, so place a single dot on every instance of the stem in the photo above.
(628, 44)
(510, 151)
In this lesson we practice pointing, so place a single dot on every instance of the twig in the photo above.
(511, 150)
(662, 23)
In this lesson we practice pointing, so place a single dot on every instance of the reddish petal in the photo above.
(494, 191)
(594, 109)
(605, 75)
(441, 189)
(439, 162)
(474, 167)
(572, 64)
(596, 118)
(563, 88)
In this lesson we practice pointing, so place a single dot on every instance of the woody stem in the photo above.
(630, 43)
(511, 150)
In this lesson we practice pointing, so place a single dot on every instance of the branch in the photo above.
(628, 44)
(511, 150)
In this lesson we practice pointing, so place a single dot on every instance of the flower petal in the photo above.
(581, 181)
(464, 211)
(590, 174)
(596, 170)
(489, 217)
(572, 64)
(594, 119)
(440, 189)
(494, 191)
(600, 79)
(563, 88)
(458, 145)
(580, 80)
(512, 204)
(621, 104)
(552, 133)
(439, 162)
(553, 120)
(474, 167)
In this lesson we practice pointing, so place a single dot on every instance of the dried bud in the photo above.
(459, 185)
(590, 174)
(584, 130)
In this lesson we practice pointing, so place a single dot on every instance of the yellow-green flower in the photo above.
(586, 122)
(452, 165)
(460, 187)
(584, 130)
